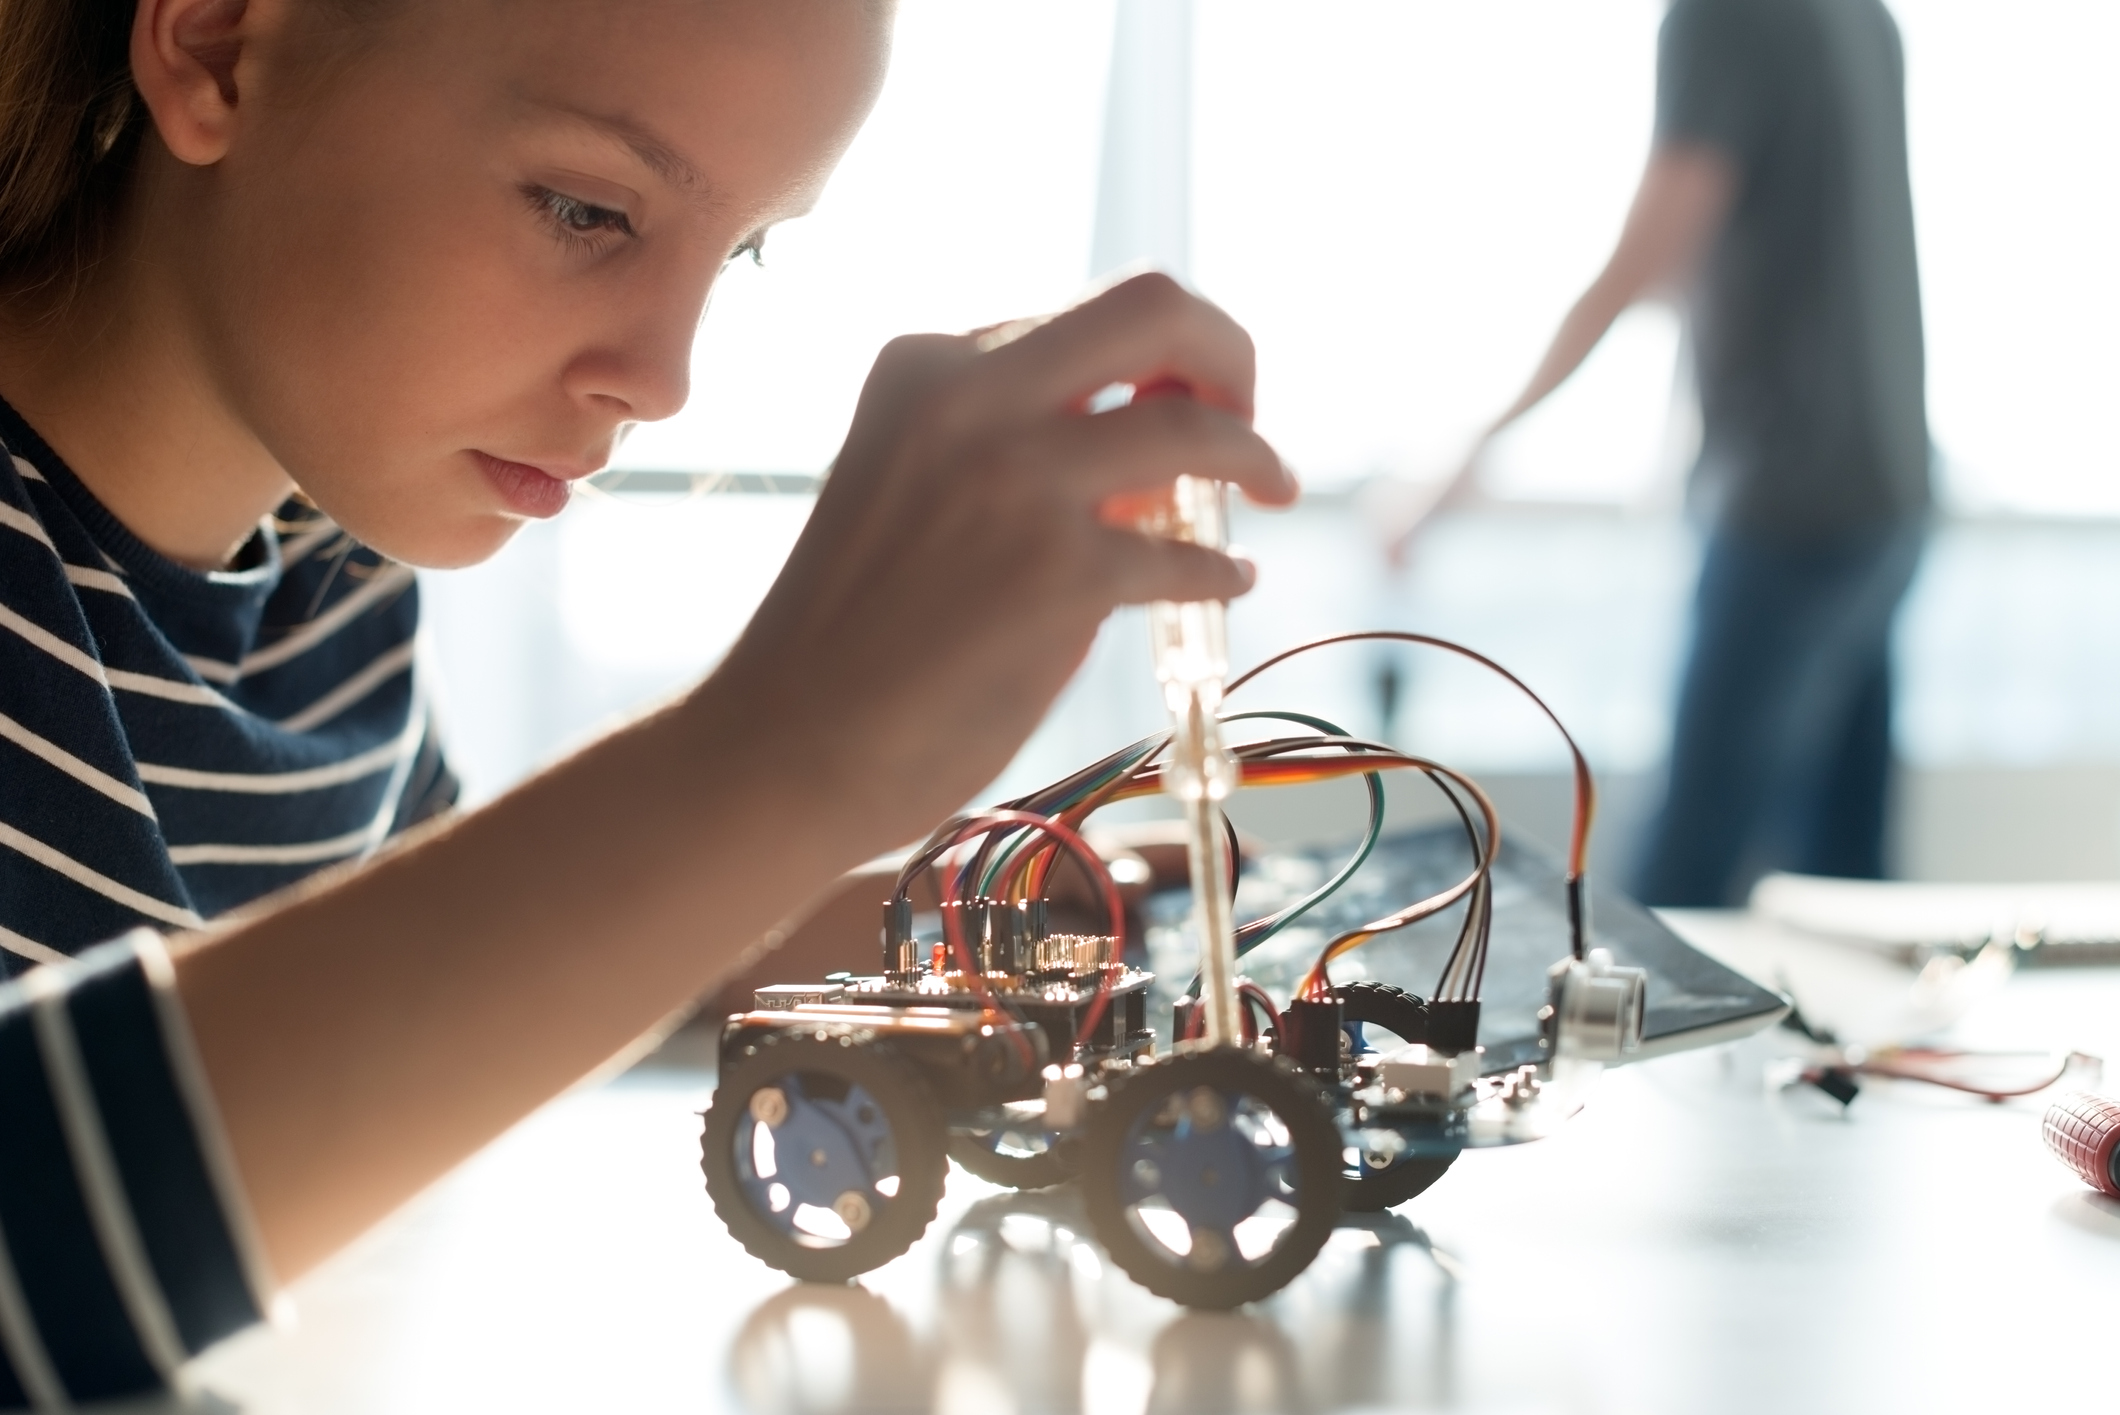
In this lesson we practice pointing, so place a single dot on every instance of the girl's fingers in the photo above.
(1144, 446)
(1138, 568)
(907, 371)
(1144, 330)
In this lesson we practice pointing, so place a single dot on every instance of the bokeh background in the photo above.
(1400, 198)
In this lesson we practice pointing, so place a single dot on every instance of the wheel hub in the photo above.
(1214, 1164)
(800, 1156)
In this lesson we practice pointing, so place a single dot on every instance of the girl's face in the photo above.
(439, 271)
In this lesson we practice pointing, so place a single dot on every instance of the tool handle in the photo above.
(2083, 1131)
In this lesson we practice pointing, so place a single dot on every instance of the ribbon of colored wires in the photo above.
(1025, 857)
(1076, 846)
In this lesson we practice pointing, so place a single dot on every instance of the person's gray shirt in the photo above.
(1806, 323)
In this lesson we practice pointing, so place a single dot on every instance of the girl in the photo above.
(295, 294)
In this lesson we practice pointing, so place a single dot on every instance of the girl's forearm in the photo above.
(371, 1032)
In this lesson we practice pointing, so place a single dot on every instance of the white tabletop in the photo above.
(1693, 1242)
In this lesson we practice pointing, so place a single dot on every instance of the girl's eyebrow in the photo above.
(647, 146)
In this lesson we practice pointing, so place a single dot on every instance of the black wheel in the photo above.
(1371, 1180)
(1380, 1005)
(1367, 1188)
(823, 1152)
(1013, 1148)
(1212, 1177)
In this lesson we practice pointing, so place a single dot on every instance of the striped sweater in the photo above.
(173, 742)
(126, 1246)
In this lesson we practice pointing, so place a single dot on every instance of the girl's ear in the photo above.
(189, 60)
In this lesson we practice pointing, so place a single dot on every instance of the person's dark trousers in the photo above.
(1781, 754)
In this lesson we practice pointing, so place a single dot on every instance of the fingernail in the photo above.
(1248, 569)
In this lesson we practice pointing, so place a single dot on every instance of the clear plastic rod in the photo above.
(1192, 662)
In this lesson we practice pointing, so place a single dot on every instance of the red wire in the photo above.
(1886, 1067)
(1251, 992)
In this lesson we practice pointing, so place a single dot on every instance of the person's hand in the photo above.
(961, 556)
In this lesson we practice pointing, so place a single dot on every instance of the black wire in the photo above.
(1467, 932)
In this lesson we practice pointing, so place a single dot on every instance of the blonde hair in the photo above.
(70, 125)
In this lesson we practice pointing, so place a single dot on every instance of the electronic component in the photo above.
(780, 997)
(1420, 1072)
(1594, 1008)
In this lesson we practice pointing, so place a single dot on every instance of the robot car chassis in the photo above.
(1211, 1174)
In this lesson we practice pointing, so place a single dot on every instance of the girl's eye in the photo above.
(578, 220)
(753, 246)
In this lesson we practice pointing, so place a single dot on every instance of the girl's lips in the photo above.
(528, 490)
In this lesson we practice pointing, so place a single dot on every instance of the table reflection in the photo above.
(1020, 1311)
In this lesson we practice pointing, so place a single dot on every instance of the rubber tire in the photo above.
(1405, 1016)
(917, 1133)
(1056, 1166)
(1398, 1011)
(1291, 1095)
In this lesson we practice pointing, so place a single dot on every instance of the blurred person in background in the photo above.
(1775, 205)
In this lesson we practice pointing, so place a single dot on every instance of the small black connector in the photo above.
(969, 927)
(1007, 948)
(1836, 1082)
(901, 951)
(1453, 1027)
(1314, 1036)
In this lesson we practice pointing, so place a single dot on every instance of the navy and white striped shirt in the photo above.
(174, 742)
(125, 1242)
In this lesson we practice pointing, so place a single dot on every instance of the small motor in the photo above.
(2083, 1131)
(1593, 1008)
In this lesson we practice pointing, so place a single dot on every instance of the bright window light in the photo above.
(1400, 201)
(653, 584)
(2014, 125)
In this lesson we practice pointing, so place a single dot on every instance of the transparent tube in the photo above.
(1192, 660)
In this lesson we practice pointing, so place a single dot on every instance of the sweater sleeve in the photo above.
(1713, 64)
(125, 1242)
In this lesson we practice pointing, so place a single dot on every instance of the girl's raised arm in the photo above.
(371, 1031)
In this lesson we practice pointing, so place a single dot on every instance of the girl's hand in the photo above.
(957, 566)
